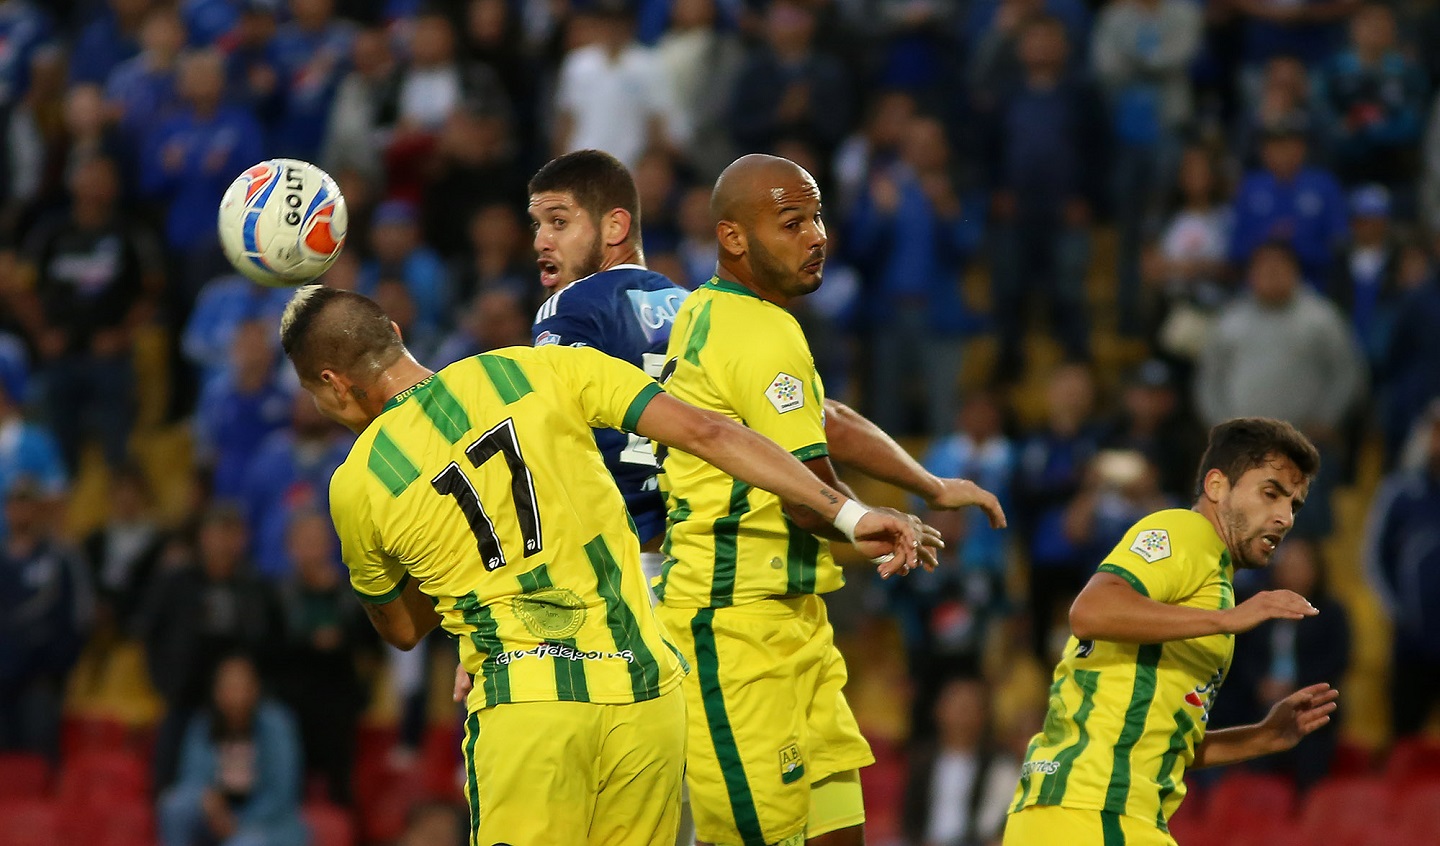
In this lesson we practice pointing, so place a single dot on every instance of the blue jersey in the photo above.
(625, 312)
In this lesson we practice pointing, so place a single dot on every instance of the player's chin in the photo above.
(811, 275)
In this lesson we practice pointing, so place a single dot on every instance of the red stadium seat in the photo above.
(1345, 810)
(104, 778)
(883, 784)
(1413, 758)
(24, 776)
(1351, 760)
(1417, 813)
(28, 822)
(1248, 803)
(116, 823)
(329, 825)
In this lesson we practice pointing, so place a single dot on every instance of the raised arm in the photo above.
(756, 460)
(1110, 608)
(859, 444)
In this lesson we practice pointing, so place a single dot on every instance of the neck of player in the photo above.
(392, 382)
(738, 273)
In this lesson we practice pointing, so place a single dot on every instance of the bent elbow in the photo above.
(1082, 621)
(403, 641)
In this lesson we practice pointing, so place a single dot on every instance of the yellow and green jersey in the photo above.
(484, 484)
(1124, 719)
(727, 543)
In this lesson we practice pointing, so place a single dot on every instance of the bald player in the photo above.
(774, 752)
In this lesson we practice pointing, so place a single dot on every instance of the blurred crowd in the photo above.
(1247, 192)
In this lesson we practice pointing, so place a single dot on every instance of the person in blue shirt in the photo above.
(585, 211)
(224, 304)
(911, 236)
(1376, 97)
(142, 87)
(191, 159)
(24, 28)
(238, 410)
(312, 53)
(27, 451)
(1292, 202)
(400, 254)
(109, 39)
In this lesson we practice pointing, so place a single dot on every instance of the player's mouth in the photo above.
(814, 265)
(1270, 542)
(549, 272)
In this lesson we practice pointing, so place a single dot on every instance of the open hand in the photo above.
(1299, 714)
(958, 493)
(1267, 605)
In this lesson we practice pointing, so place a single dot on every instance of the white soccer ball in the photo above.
(282, 222)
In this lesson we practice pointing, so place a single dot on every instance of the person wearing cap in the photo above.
(401, 254)
(1365, 282)
(1154, 423)
(1403, 561)
(1291, 201)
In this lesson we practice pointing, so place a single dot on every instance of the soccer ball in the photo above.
(282, 222)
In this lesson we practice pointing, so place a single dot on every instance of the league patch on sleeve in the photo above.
(786, 393)
(546, 337)
(1152, 545)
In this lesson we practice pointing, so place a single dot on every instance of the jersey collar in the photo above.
(718, 284)
(606, 270)
(423, 384)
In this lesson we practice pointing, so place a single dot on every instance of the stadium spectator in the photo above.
(1309, 30)
(493, 36)
(1366, 283)
(357, 133)
(613, 94)
(475, 165)
(498, 255)
(1188, 266)
(1142, 51)
(24, 28)
(124, 554)
(225, 304)
(195, 615)
(421, 339)
(1045, 161)
(89, 132)
(251, 69)
(311, 52)
(35, 138)
(1154, 421)
(111, 37)
(400, 254)
(1411, 373)
(1279, 657)
(1289, 201)
(1279, 96)
(656, 182)
(992, 32)
(290, 472)
(1404, 565)
(96, 273)
(27, 450)
(961, 780)
(702, 60)
(327, 630)
(1375, 96)
(947, 616)
(873, 146)
(45, 614)
(911, 238)
(142, 89)
(240, 775)
(1049, 473)
(497, 318)
(189, 161)
(696, 250)
(1284, 351)
(239, 409)
(789, 88)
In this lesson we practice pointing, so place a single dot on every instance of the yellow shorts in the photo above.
(1049, 825)
(566, 773)
(768, 719)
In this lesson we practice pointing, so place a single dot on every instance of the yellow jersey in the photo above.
(1124, 719)
(727, 543)
(483, 483)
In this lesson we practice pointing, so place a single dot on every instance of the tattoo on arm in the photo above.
(829, 495)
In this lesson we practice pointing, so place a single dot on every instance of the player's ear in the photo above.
(398, 333)
(1214, 486)
(615, 228)
(730, 238)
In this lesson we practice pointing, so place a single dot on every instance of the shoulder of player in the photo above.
(1174, 533)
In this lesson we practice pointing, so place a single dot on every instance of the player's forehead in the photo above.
(788, 191)
(552, 202)
(1278, 471)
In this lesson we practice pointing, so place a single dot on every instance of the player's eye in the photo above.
(558, 223)
(794, 224)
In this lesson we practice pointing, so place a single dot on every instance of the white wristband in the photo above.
(850, 514)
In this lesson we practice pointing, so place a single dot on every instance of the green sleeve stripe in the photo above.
(1147, 660)
(390, 465)
(1167, 778)
(486, 639)
(699, 334)
(620, 617)
(444, 410)
(388, 596)
(727, 751)
(1116, 570)
(1052, 789)
(726, 533)
(806, 453)
(507, 376)
(802, 554)
(639, 404)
